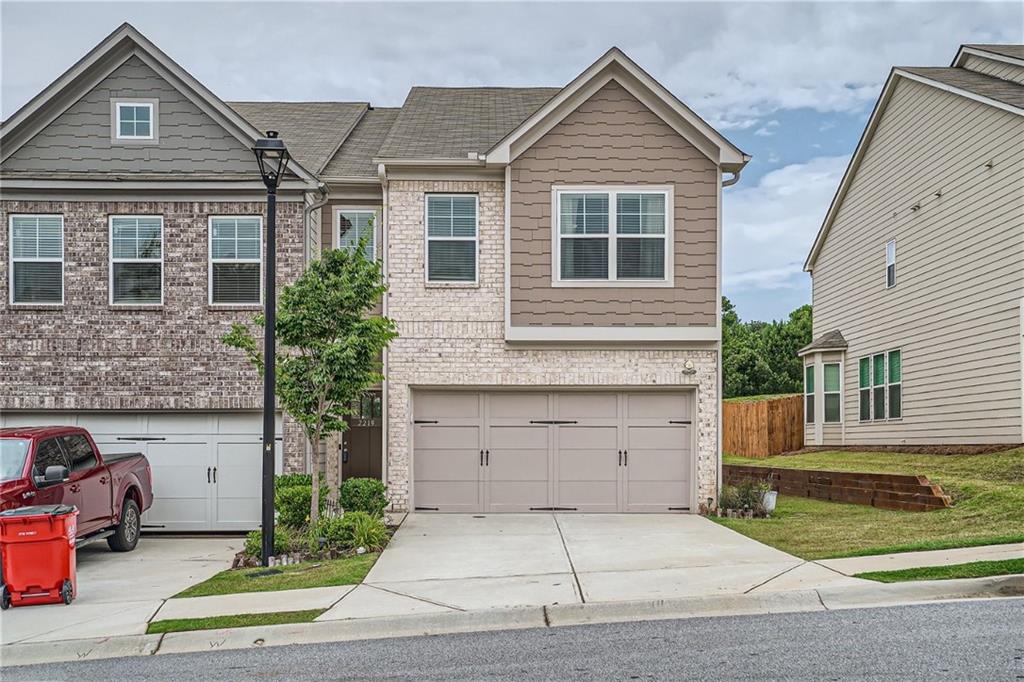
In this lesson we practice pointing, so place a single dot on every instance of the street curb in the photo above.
(516, 618)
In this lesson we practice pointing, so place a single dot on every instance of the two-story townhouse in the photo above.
(918, 269)
(553, 257)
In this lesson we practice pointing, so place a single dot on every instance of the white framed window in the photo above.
(134, 120)
(352, 226)
(832, 386)
(890, 264)
(881, 386)
(808, 394)
(894, 374)
(236, 267)
(37, 259)
(612, 236)
(136, 260)
(864, 389)
(451, 237)
(878, 386)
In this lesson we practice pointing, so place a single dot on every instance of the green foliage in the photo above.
(364, 494)
(760, 357)
(334, 531)
(747, 494)
(284, 541)
(292, 504)
(290, 480)
(354, 529)
(329, 344)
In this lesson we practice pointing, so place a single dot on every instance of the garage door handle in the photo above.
(487, 461)
(620, 457)
(625, 458)
(481, 458)
(424, 421)
(214, 474)
(681, 421)
(207, 474)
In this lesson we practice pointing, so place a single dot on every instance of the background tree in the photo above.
(329, 346)
(759, 358)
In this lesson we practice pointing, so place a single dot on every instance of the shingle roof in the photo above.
(449, 123)
(990, 87)
(1015, 51)
(832, 340)
(312, 131)
(355, 157)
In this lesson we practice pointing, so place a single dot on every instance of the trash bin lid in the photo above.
(40, 510)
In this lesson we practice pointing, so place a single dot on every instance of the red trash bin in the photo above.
(37, 553)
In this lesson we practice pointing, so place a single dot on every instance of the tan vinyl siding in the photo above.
(78, 141)
(993, 67)
(955, 310)
(613, 139)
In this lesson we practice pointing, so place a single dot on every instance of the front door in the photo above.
(361, 444)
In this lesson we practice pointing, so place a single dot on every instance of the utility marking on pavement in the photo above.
(412, 596)
(572, 567)
(791, 568)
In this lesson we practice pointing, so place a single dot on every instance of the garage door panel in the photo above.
(450, 496)
(447, 437)
(588, 465)
(650, 465)
(181, 487)
(588, 406)
(518, 437)
(447, 405)
(523, 406)
(588, 496)
(446, 465)
(657, 496)
(517, 496)
(659, 405)
(587, 437)
(517, 465)
(663, 437)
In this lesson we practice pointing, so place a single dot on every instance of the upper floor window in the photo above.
(355, 226)
(136, 260)
(890, 264)
(37, 259)
(451, 237)
(235, 247)
(617, 235)
(134, 120)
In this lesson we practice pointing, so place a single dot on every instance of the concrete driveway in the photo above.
(118, 593)
(442, 562)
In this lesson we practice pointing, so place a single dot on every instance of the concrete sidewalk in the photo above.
(941, 557)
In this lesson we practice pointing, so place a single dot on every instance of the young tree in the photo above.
(329, 345)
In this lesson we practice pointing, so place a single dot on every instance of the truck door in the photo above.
(49, 453)
(92, 484)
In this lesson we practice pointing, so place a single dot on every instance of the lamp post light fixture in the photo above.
(272, 157)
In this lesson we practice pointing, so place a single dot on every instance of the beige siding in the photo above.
(78, 141)
(955, 310)
(614, 139)
(992, 67)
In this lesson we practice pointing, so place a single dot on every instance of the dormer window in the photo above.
(134, 120)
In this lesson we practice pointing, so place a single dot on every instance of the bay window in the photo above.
(833, 392)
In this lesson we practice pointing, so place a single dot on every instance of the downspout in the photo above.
(382, 174)
(733, 180)
(307, 212)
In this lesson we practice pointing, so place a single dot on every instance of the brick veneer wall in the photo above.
(89, 355)
(454, 336)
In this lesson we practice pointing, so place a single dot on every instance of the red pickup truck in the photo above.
(62, 465)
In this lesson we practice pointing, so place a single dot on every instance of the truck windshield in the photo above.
(12, 458)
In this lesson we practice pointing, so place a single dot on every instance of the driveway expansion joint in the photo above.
(777, 575)
(414, 597)
(568, 556)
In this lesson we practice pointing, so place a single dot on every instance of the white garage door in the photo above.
(543, 451)
(207, 470)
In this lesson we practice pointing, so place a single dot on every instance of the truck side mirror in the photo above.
(54, 473)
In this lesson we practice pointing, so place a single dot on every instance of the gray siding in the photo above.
(956, 309)
(992, 67)
(613, 139)
(78, 141)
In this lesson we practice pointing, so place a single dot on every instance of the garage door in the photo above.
(544, 451)
(206, 467)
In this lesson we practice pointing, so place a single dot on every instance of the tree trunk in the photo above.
(314, 499)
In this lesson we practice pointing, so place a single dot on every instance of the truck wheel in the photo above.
(5, 598)
(126, 535)
(67, 592)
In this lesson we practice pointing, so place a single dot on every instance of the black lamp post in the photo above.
(272, 157)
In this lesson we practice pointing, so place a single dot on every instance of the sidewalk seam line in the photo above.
(568, 556)
(778, 575)
(547, 616)
(159, 643)
(834, 570)
(821, 601)
(422, 599)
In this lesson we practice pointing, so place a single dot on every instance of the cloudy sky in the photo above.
(791, 84)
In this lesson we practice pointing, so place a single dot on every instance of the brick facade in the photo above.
(90, 355)
(454, 336)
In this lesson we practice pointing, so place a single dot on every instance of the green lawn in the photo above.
(975, 569)
(347, 571)
(241, 621)
(988, 506)
(755, 398)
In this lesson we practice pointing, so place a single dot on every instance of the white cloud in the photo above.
(768, 129)
(770, 226)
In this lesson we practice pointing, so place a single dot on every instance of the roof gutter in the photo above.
(733, 180)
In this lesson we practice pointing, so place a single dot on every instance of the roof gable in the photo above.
(354, 158)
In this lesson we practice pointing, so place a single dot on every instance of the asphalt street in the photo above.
(977, 640)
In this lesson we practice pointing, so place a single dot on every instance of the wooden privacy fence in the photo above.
(760, 428)
(885, 491)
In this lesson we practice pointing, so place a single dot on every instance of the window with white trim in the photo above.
(895, 376)
(133, 120)
(881, 386)
(235, 265)
(809, 394)
(451, 238)
(613, 235)
(37, 259)
(136, 260)
(832, 385)
(864, 389)
(355, 226)
(890, 264)
(878, 385)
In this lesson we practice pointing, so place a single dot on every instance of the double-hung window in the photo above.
(607, 235)
(451, 238)
(235, 248)
(833, 392)
(864, 384)
(878, 385)
(890, 264)
(895, 384)
(809, 394)
(37, 259)
(355, 227)
(133, 120)
(136, 260)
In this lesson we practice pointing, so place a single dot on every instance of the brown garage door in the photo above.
(540, 451)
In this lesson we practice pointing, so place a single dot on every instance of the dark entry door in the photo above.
(361, 445)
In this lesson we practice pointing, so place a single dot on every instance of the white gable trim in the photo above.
(615, 65)
(865, 139)
(961, 56)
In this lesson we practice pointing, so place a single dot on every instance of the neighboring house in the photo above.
(553, 257)
(918, 270)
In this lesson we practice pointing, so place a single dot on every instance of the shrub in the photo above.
(293, 480)
(292, 504)
(729, 497)
(333, 530)
(367, 495)
(366, 531)
(747, 494)
(284, 541)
